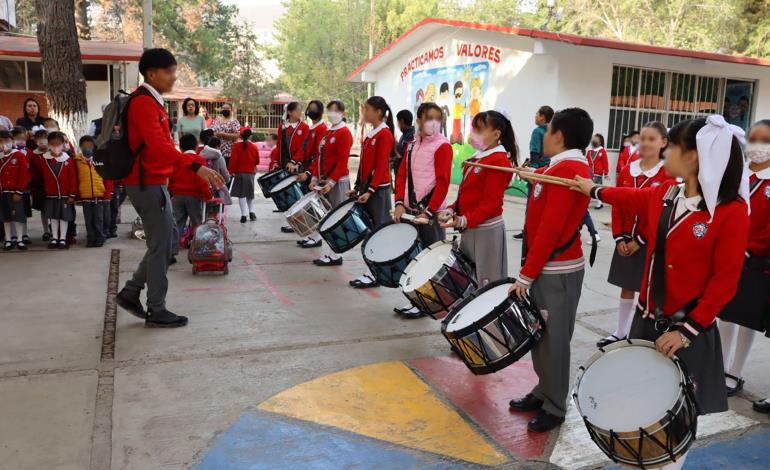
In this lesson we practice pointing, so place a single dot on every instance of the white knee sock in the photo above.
(625, 314)
(314, 237)
(727, 334)
(18, 228)
(676, 465)
(250, 203)
(244, 206)
(58, 229)
(744, 340)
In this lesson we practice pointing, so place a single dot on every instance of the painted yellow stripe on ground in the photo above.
(389, 402)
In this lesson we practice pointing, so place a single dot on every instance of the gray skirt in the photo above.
(627, 272)
(703, 361)
(378, 207)
(429, 234)
(338, 193)
(243, 185)
(12, 211)
(486, 247)
(56, 208)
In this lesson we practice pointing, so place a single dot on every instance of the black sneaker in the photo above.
(130, 302)
(243, 219)
(252, 216)
(164, 319)
(544, 422)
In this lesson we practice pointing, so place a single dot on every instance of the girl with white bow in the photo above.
(696, 236)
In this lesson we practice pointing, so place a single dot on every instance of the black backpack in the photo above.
(113, 157)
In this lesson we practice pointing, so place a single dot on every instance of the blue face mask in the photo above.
(21, 144)
(88, 153)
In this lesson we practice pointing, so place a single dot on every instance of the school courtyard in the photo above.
(283, 366)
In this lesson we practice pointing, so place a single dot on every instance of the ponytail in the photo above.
(379, 103)
(245, 135)
(499, 122)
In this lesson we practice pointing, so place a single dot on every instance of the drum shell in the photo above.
(388, 273)
(268, 180)
(349, 231)
(498, 339)
(305, 220)
(287, 197)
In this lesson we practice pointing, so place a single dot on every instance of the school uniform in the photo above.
(553, 267)
(374, 174)
(479, 206)
(189, 193)
(703, 262)
(331, 165)
(316, 132)
(14, 179)
(598, 164)
(94, 195)
(244, 159)
(626, 271)
(291, 143)
(59, 184)
(422, 182)
(626, 156)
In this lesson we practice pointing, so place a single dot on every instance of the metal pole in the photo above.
(147, 24)
(371, 43)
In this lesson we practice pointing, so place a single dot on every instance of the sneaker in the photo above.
(252, 216)
(130, 302)
(164, 319)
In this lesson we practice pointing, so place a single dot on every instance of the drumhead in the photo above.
(299, 205)
(390, 242)
(284, 183)
(628, 387)
(425, 266)
(478, 307)
(337, 215)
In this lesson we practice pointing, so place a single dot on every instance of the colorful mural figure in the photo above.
(443, 101)
(458, 113)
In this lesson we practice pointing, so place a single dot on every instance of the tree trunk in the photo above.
(63, 81)
(81, 19)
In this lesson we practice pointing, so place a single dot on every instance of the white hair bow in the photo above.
(504, 113)
(714, 142)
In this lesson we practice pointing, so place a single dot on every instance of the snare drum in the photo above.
(491, 330)
(438, 278)
(268, 180)
(305, 215)
(345, 226)
(637, 404)
(286, 193)
(389, 250)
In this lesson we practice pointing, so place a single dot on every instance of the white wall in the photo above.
(97, 94)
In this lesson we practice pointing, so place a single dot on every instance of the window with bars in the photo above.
(641, 95)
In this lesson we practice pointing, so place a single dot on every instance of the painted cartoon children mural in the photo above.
(458, 113)
(419, 99)
(443, 102)
(430, 93)
(477, 97)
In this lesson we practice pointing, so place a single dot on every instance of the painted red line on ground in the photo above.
(265, 279)
(346, 277)
(485, 399)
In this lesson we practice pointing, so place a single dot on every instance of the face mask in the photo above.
(21, 144)
(51, 129)
(431, 128)
(42, 143)
(477, 142)
(758, 153)
(88, 153)
(594, 144)
(66, 146)
(226, 113)
(7, 146)
(314, 115)
(626, 144)
(335, 117)
(57, 149)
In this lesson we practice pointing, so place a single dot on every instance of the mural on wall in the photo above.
(737, 105)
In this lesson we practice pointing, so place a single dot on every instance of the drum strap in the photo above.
(419, 206)
(362, 189)
(285, 147)
(658, 287)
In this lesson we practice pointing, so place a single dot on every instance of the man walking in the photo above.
(149, 137)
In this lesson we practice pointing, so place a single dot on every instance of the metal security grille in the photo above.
(641, 95)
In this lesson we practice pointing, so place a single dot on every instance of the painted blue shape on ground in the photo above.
(262, 440)
(748, 452)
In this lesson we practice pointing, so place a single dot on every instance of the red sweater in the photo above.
(625, 158)
(703, 259)
(312, 144)
(554, 214)
(14, 172)
(148, 123)
(184, 182)
(296, 143)
(374, 165)
(627, 226)
(64, 184)
(597, 162)
(442, 164)
(336, 151)
(480, 196)
(244, 160)
(759, 231)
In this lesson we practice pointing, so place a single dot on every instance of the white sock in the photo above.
(625, 315)
(745, 339)
(18, 228)
(243, 203)
(58, 229)
(250, 203)
(366, 278)
(676, 465)
(314, 237)
(326, 251)
(727, 333)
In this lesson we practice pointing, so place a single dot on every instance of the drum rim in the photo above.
(305, 197)
(400, 257)
(425, 250)
(465, 301)
(271, 173)
(262, 184)
(336, 225)
(287, 186)
(656, 426)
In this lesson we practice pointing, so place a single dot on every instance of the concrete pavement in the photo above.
(72, 398)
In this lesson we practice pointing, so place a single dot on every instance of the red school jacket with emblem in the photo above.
(316, 133)
(597, 161)
(374, 164)
(759, 231)
(14, 172)
(481, 193)
(295, 142)
(336, 152)
(61, 184)
(627, 225)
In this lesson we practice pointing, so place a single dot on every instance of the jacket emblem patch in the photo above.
(332, 140)
(699, 230)
(654, 184)
(299, 132)
(767, 191)
(13, 162)
(538, 190)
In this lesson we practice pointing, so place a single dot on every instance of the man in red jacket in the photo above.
(149, 135)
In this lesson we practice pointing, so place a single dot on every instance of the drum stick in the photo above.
(415, 220)
(525, 174)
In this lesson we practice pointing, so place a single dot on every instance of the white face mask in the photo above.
(758, 153)
(431, 127)
(335, 117)
(51, 129)
(7, 146)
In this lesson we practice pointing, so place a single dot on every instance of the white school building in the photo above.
(470, 67)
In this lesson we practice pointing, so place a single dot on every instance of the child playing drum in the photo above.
(422, 181)
(478, 210)
(373, 181)
(696, 235)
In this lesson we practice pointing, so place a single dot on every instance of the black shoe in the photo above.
(111, 235)
(528, 403)
(327, 261)
(309, 244)
(732, 391)
(53, 244)
(544, 422)
(243, 219)
(277, 211)
(164, 319)
(763, 406)
(98, 244)
(252, 216)
(90, 244)
(26, 240)
(519, 236)
(172, 261)
(46, 237)
(63, 245)
(364, 285)
(412, 313)
(130, 302)
(21, 246)
(608, 340)
(287, 229)
(8, 246)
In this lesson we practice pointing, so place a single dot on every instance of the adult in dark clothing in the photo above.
(404, 119)
(147, 187)
(30, 118)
